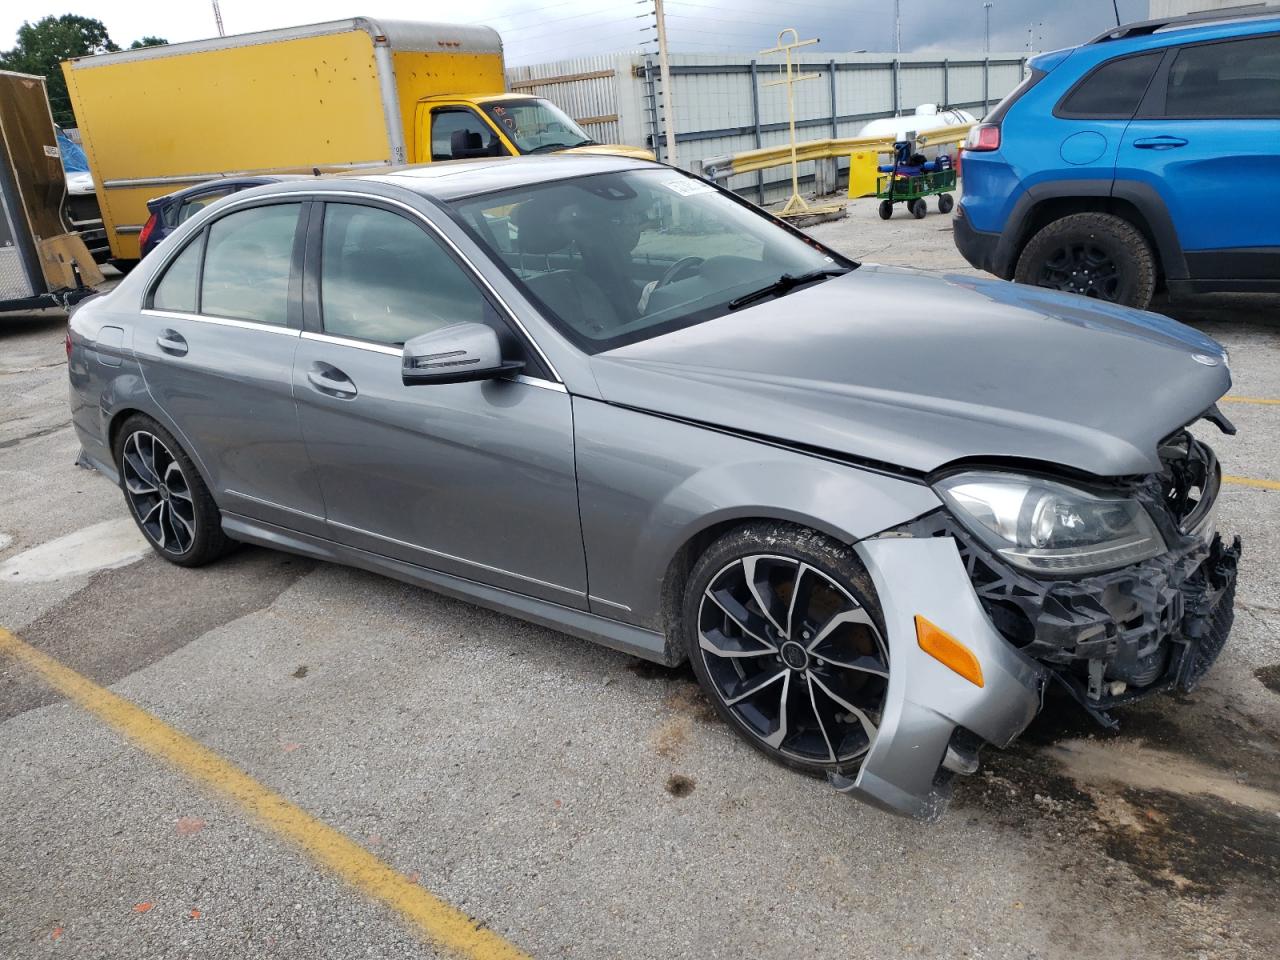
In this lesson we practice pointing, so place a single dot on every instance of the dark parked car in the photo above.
(879, 510)
(173, 209)
(1149, 156)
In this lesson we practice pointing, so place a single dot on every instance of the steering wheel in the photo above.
(680, 266)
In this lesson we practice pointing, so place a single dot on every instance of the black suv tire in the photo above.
(1094, 254)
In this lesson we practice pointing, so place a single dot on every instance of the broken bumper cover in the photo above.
(926, 703)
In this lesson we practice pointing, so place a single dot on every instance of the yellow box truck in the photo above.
(325, 97)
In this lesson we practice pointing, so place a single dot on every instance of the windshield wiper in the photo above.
(785, 284)
(587, 143)
(549, 146)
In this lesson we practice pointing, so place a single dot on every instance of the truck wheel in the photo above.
(886, 209)
(1093, 254)
(785, 635)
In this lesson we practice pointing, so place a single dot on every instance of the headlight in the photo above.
(1049, 527)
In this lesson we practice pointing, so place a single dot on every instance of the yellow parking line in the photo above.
(1250, 482)
(446, 926)
(1265, 401)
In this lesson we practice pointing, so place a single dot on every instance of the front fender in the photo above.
(648, 485)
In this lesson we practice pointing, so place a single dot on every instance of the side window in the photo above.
(247, 262)
(191, 207)
(1112, 91)
(177, 288)
(1236, 78)
(382, 278)
(457, 134)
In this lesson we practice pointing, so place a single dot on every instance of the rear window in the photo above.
(1235, 78)
(1014, 95)
(1112, 91)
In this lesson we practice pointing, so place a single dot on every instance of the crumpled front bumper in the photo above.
(926, 703)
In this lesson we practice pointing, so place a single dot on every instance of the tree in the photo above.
(148, 42)
(43, 45)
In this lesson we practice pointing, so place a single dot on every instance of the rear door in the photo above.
(1207, 139)
(471, 479)
(1093, 114)
(216, 340)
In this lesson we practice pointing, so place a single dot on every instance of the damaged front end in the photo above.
(1109, 637)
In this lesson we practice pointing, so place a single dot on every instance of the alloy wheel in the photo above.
(1084, 268)
(794, 657)
(158, 493)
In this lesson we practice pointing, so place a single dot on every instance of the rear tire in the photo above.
(886, 209)
(166, 496)
(946, 203)
(1092, 254)
(780, 621)
(919, 208)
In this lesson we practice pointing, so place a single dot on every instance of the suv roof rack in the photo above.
(1148, 27)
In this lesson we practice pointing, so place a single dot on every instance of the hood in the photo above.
(612, 150)
(918, 370)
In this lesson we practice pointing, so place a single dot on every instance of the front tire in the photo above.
(784, 633)
(1092, 254)
(166, 496)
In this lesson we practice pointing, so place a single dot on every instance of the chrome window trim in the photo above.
(351, 342)
(462, 560)
(222, 321)
(232, 202)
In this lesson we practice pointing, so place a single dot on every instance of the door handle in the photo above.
(171, 341)
(331, 381)
(1160, 143)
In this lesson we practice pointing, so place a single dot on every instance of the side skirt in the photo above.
(636, 641)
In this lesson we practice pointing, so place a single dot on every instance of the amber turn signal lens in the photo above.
(948, 651)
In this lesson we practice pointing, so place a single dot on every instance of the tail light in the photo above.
(146, 230)
(68, 341)
(983, 138)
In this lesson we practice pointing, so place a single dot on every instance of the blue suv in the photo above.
(1148, 156)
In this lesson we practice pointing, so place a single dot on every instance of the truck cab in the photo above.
(501, 125)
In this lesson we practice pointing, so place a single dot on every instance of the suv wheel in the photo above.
(784, 633)
(1093, 254)
(166, 496)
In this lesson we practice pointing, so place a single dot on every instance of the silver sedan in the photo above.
(879, 511)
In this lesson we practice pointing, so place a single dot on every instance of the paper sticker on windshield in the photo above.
(688, 186)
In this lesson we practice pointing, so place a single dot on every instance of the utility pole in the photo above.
(897, 27)
(897, 49)
(987, 43)
(664, 67)
(217, 18)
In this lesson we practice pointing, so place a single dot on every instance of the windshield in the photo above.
(620, 257)
(536, 126)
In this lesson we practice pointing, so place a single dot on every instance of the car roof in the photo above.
(452, 179)
(1206, 25)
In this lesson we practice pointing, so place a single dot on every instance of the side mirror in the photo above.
(457, 353)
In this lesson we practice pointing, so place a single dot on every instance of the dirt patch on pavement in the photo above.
(678, 785)
(1269, 677)
(128, 617)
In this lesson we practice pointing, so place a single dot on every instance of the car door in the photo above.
(471, 479)
(1207, 140)
(216, 340)
(459, 133)
(1093, 114)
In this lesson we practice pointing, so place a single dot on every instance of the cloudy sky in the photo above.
(540, 30)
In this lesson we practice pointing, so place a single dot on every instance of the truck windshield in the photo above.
(615, 258)
(536, 126)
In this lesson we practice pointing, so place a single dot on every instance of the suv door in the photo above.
(471, 479)
(1207, 140)
(215, 340)
(1092, 116)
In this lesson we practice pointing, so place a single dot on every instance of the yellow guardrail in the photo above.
(749, 161)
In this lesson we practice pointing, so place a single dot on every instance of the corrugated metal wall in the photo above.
(715, 108)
